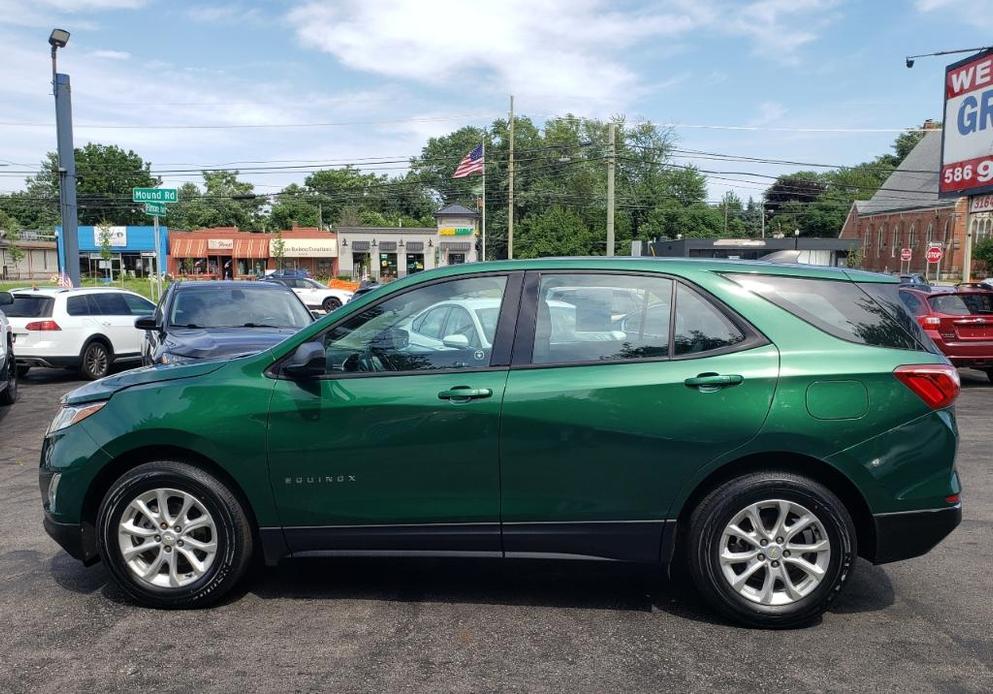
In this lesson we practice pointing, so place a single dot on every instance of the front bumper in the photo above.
(78, 540)
(912, 533)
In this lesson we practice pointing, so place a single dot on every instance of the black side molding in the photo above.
(907, 535)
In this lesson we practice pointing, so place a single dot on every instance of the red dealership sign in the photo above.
(967, 136)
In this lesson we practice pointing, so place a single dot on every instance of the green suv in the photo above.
(760, 424)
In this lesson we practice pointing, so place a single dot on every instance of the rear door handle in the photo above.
(464, 393)
(712, 380)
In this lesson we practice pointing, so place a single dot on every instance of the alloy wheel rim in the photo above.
(774, 552)
(96, 360)
(167, 538)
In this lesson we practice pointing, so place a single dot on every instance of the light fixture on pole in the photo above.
(59, 38)
(910, 58)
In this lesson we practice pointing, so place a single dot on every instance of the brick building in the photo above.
(205, 252)
(906, 212)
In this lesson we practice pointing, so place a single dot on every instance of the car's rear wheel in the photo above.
(989, 374)
(330, 304)
(22, 370)
(96, 361)
(770, 548)
(173, 536)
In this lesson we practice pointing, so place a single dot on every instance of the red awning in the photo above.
(188, 248)
(252, 248)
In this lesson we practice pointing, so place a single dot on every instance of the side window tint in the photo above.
(77, 306)
(913, 304)
(461, 323)
(593, 318)
(431, 322)
(388, 337)
(700, 326)
(110, 304)
(138, 306)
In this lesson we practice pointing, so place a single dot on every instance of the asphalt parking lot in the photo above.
(374, 625)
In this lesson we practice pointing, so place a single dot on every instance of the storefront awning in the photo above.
(456, 246)
(251, 248)
(188, 248)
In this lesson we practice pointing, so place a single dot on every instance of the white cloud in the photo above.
(975, 14)
(111, 55)
(558, 54)
(769, 112)
(45, 13)
(224, 13)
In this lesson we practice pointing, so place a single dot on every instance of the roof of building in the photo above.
(913, 184)
(387, 230)
(455, 211)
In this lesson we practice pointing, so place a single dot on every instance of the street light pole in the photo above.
(611, 165)
(67, 162)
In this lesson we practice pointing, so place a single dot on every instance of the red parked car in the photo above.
(960, 323)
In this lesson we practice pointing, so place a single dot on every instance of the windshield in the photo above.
(237, 307)
(962, 304)
(313, 284)
(29, 306)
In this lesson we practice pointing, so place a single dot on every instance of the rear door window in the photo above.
(869, 314)
(80, 306)
(29, 306)
(110, 304)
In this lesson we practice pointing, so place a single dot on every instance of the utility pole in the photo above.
(725, 215)
(510, 186)
(762, 208)
(611, 165)
(67, 162)
(966, 252)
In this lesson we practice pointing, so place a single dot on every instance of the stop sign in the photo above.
(934, 254)
(906, 254)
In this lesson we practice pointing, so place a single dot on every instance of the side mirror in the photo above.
(316, 316)
(6, 298)
(146, 323)
(456, 341)
(307, 361)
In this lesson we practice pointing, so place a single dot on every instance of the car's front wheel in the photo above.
(173, 536)
(330, 304)
(771, 549)
(9, 394)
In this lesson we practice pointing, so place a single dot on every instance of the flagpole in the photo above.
(484, 202)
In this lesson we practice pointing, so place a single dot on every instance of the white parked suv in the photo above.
(8, 368)
(312, 293)
(87, 329)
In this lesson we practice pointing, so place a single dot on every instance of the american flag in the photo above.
(64, 281)
(473, 163)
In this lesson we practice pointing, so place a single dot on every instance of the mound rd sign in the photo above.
(154, 195)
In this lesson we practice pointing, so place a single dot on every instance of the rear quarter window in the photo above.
(868, 314)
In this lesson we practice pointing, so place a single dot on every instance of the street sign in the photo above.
(154, 195)
(906, 254)
(155, 209)
(934, 254)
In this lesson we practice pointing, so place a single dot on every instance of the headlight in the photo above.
(53, 489)
(70, 414)
(170, 358)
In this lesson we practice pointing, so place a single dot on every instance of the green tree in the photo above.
(11, 231)
(106, 252)
(557, 231)
(224, 201)
(983, 252)
(294, 205)
(278, 248)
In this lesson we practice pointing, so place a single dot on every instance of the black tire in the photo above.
(703, 545)
(96, 360)
(9, 394)
(330, 304)
(233, 538)
(989, 374)
(22, 370)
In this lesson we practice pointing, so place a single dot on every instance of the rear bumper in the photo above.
(50, 362)
(910, 534)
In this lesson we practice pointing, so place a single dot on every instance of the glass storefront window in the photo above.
(361, 265)
(387, 266)
(415, 263)
(456, 258)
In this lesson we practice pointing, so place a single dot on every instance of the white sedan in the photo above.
(314, 294)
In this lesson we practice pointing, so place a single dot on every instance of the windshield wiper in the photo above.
(259, 325)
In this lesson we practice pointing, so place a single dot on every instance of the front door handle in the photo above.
(713, 380)
(464, 393)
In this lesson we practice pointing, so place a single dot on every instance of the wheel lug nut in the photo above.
(786, 553)
(775, 564)
(168, 548)
(158, 538)
(779, 540)
(761, 557)
(163, 525)
(179, 529)
(180, 543)
(763, 542)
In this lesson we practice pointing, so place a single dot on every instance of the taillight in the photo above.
(43, 325)
(936, 384)
(929, 322)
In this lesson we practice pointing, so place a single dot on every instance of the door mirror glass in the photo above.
(456, 341)
(6, 298)
(146, 323)
(306, 361)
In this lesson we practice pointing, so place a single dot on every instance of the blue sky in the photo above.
(391, 73)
